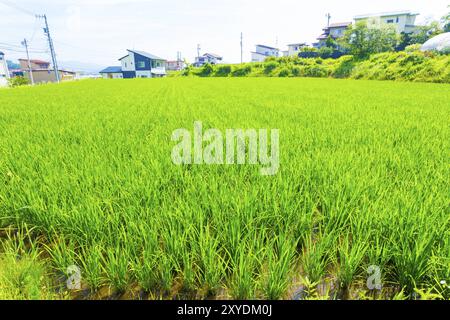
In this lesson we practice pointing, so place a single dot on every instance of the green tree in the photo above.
(362, 41)
(331, 43)
(426, 32)
(405, 41)
(446, 22)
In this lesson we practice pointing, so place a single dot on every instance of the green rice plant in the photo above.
(116, 267)
(280, 259)
(24, 274)
(243, 284)
(91, 265)
(350, 255)
(63, 254)
(363, 180)
(317, 256)
(246, 267)
(166, 273)
(211, 263)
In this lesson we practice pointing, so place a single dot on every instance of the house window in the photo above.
(157, 64)
(398, 20)
(141, 64)
(126, 65)
(390, 21)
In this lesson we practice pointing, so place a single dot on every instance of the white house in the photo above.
(294, 49)
(262, 52)
(404, 21)
(140, 64)
(4, 72)
(210, 58)
(112, 73)
(175, 65)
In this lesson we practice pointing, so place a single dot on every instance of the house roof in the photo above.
(264, 46)
(36, 61)
(112, 70)
(385, 14)
(213, 55)
(340, 25)
(147, 55)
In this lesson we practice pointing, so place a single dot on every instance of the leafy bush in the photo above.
(316, 71)
(326, 52)
(285, 72)
(413, 48)
(242, 71)
(187, 71)
(270, 66)
(344, 68)
(207, 70)
(18, 81)
(223, 71)
(296, 71)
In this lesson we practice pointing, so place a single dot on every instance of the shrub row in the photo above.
(409, 65)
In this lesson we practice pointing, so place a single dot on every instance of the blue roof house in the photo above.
(112, 73)
(140, 64)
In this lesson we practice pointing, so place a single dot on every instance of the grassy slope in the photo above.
(363, 180)
(412, 66)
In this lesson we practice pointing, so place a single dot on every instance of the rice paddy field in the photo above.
(87, 180)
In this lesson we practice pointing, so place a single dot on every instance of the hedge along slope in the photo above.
(402, 66)
(406, 66)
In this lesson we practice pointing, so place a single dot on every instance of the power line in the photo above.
(36, 27)
(15, 6)
(21, 50)
(15, 46)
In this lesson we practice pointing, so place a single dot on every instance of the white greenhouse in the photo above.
(438, 43)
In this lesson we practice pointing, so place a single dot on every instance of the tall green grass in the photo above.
(364, 180)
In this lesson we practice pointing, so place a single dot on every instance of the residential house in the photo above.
(335, 30)
(112, 73)
(175, 65)
(35, 64)
(140, 64)
(4, 72)
(262, 52)
(210, 58)
(404, 21)
(294, 49)
(42, 72)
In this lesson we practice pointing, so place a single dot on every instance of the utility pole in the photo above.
(30, 70)
(50, 44)
(5, 65)
(329, 18)
(198, 53)
(242, 47)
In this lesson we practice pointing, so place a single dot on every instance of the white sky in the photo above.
(100, 31)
